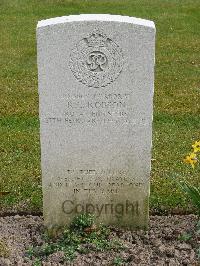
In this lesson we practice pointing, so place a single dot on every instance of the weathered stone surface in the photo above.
(96, 75)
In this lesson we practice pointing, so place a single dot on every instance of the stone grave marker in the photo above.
(96, 80)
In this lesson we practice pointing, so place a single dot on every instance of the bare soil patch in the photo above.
(162, 244)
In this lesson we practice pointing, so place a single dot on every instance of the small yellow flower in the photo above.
(191, 159)
(196, 146)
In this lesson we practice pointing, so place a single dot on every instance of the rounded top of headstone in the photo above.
(96, 17)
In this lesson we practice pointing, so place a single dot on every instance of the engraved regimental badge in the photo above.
(96, 60)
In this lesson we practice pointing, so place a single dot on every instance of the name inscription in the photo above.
(94, 109)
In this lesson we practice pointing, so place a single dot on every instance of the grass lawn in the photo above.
(176, 101)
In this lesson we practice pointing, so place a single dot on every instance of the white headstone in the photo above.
(96, 80)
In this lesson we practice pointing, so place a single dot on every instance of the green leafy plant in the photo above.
(198, 227)
(82, 236)
(81, 222)
(118, 261)
(37, 262)
(198, 253)
(192, 191)
(185, 237)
